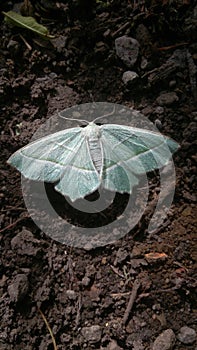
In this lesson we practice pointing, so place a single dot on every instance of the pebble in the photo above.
(165, 341)
(159, 110)
(92, 334)
(59, 43)
(167, 98)
(13, 47)
(107, 33)
(127, 49)
(172, 83)
(186, 335)
(18, 288)
(85, 281)
(71, 294)
(25, 244)
(144, 63)
(135, 263)
(113, 346)
(129, 77)
(137, 345)
(158, 124)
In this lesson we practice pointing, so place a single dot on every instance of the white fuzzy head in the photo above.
(92, 130)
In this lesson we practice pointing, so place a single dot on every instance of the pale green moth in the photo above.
(80, 160)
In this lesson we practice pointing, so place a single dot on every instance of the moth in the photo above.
(79, 160)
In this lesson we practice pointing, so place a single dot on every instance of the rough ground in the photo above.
(84, 294)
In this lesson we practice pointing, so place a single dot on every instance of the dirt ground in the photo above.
(84, 294)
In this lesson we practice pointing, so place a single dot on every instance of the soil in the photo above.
(84, 293)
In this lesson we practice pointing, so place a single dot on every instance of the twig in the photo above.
(49, 329)
(26, 43)
(115, 270)
(158, 291)
(165, 48)
(11, 132)
(136, 286)
(79, 306)
(13, 224)
(9, 208)
(120, 29)
(119, 295)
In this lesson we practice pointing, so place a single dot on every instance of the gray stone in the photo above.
(187, 335)
(167, 98)
(85, 281)
(129, 77)
(18, 288)
(127, 49)
(165, 341)
(92, 334)
(71, 294)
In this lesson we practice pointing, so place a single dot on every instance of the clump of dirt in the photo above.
(84, 294)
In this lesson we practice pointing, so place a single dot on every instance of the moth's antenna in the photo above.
(78, 120)
(105, 115)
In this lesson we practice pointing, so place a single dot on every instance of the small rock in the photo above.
(129, 77)
(167, 98)
(92, 334)
(172, 83)
(113, 346)
(187, 335)
(71, 294)
(147, 111)
(136, 252)
(127, 49)
(135, 263)
(107, 33)
(25, 244)
(159, 110)
(158, 124)
(121, 256)
(59, 43)
(19, 287)
(85, 281)
(100, 47)
(144, 63)
(13, 47)
(165, 341)
(137, 345)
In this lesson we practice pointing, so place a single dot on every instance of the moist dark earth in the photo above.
(56, 296)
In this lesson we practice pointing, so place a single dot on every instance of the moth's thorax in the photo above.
(92, 131)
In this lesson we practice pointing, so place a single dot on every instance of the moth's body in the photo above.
(80, 160)
(92, 133)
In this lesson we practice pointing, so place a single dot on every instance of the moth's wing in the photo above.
(79, 177)
(63, 157)
(42, 159)
(129, 151)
